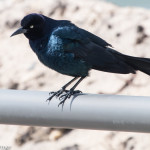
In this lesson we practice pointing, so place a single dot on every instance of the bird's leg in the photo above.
(69, 93)
(63, 89)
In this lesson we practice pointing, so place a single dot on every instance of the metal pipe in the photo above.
(84, 111)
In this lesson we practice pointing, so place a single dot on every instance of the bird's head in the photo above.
(33, 26)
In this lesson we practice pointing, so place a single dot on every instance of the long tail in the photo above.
(137, 63)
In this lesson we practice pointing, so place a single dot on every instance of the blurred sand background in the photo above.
(126, 28)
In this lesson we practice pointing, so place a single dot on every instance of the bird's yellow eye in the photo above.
(31, 27)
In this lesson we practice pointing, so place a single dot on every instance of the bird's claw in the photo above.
(67, 95)
(64, 97)
(57, 94)
(60, 92)
(51, 93)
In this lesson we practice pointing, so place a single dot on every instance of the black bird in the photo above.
(70, 50)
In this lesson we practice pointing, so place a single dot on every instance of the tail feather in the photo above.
(137, 63)
(141, 64)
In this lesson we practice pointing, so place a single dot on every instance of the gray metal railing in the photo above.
(100, 112)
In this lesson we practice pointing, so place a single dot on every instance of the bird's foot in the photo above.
(67, 95)
(57, 94)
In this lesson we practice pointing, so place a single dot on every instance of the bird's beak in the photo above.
(19, 31)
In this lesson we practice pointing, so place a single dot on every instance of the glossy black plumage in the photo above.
(70, 50)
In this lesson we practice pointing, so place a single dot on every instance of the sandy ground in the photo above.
(127, 29)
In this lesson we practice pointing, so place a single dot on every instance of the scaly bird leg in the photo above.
(69, 93)
(63, 89)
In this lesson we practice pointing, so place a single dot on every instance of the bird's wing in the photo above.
(85, 45)
(97, 40)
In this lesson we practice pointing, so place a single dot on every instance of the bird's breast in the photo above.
(53, 56)
(65, 63)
